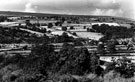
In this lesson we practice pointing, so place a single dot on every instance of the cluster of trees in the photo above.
(69, 60)
(90, 30)
(43, 63)
(123, 66)
(73, 61)
(110, 48)
(10, 35)
(50, 25)
(34, 27)
(13, 35)
(37, 29)
(3, 18)
(101, 49)
(63, 38)
(110, 32)
(34, 67)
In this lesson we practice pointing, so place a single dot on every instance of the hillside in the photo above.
(12, 13)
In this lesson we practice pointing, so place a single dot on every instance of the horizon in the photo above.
(116, 8)
(69, 14)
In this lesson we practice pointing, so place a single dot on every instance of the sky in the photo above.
(120, 8)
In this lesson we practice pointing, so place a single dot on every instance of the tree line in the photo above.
(110, 32)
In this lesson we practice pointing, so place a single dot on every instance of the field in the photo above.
(90, 35)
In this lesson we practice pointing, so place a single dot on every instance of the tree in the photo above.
(41, 59)
(50, 25)
(58, 23)
(95, 27)
(111, 47)
(101, 48)
(38, 24)
(94, 62)
(28, 23)
(88, 30)
(103, 39)
(84, 27)
(49, 31)
(43, 30)
(74, 33)
(63, 19)
(73, 60)
(65, 37)
(3, 18)
(72, 27)
(64, 28)
(103, 27)
(79, 42)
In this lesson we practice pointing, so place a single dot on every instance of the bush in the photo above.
(74, 33)
(111, 47)
(2, 58)
(15, 59)
(109, 77)
(113, 76)
(101, 49)
(50, 25)
(64, 28)
(9, 72)
(72, 27)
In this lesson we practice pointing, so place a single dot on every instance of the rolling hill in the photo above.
(12, 13)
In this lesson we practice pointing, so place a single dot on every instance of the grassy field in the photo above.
(90, 35)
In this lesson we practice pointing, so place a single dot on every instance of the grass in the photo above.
(90, 35)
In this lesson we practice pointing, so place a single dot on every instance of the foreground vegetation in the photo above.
(69, 65)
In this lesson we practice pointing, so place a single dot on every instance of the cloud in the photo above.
(12, 5)
(106, 7)
(30, 8)
(128, 7)
(108, 12)
(122, 8)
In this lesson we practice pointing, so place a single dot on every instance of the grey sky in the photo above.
(122, 8)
